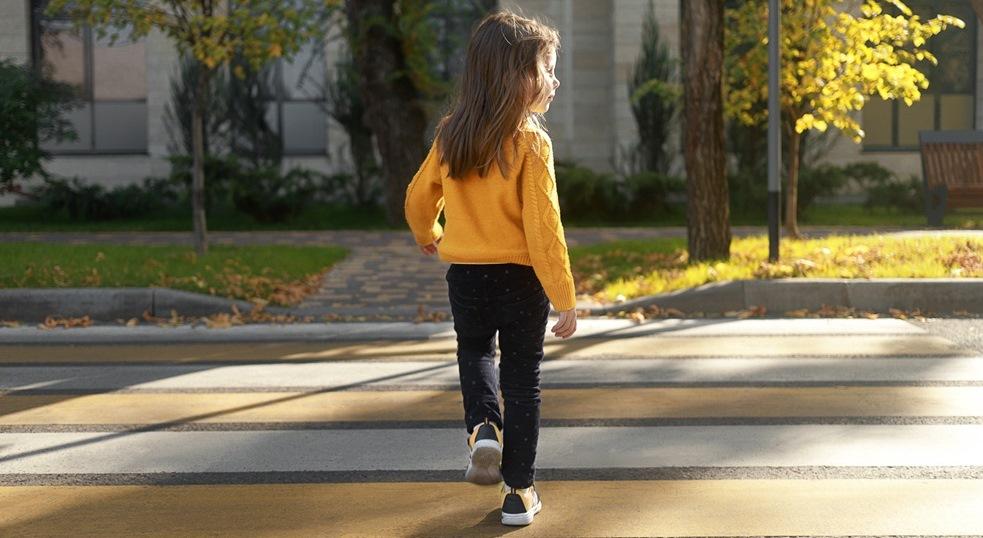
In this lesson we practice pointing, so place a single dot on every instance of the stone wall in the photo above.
(14, 30)
(590, 120)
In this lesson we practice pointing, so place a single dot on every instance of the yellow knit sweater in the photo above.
(496, 219)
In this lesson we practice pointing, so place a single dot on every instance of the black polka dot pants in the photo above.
(509, 300)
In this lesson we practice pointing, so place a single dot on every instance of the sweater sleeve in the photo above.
(543, 228)
(425, 200)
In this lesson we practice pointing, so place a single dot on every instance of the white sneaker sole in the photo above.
(524, 518)
(484, 467)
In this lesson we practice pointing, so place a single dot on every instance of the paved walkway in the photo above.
(385, 272)
(668, 428)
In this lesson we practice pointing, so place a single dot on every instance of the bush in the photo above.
(152, 195)
(261, 192)
(79, 201)
(219, 172)
(749, 190)
(868, 173)
(269, 196)
(822, 180)
(884, 188)
(345, 188)
(902, 195)
(649, 193)
(584, 193)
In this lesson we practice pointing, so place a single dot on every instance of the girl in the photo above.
(490, 169)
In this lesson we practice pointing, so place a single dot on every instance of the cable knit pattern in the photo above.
(542, 223)
(497, 219)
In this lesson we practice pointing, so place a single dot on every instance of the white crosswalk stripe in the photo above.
(814, 433)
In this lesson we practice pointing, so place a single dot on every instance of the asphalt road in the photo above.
(965, 332)
(725, 427)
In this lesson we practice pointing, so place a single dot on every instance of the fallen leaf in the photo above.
(218, 321)
(754, 311)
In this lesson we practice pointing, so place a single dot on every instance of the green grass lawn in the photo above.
(644, 267)
(316, 217)
(819, 215)
(282, 275)
(339, 217)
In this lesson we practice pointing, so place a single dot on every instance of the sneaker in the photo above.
(485, 454)
(520, 505)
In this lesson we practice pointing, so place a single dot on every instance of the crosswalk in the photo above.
(666, 428)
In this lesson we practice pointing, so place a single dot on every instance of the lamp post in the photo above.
(774, 130)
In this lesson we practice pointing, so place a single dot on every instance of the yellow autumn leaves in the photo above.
(213, 34)
(832, 58)
(638, 268)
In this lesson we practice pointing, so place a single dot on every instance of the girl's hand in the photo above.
(567, 324)
(431, 248)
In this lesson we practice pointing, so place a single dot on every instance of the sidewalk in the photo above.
(385, 273)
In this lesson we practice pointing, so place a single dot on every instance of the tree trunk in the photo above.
(198, 163)
(363, 155)
(392, 102)
(792, 189)
(978, 8)
(708, 207)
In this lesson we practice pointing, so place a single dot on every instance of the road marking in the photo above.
(594, 508)
(416, 375)
(585, 403)
(443, 449)
(446, 349)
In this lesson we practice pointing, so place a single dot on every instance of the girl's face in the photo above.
(547, 69)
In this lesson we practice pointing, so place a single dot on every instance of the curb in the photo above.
(259, 333)
(931, 295)
(108, 304)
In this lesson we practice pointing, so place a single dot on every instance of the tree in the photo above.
(978, 8)
(214, 32)
(707, 207)
(832, 62)
(344, 104)
(404, 51)
(250, 136)
(179, 112)
(32, 108)
(383, 42)
(653, 93)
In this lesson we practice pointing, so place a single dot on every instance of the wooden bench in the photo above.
(952, 168)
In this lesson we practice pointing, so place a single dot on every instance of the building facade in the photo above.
(123, 135)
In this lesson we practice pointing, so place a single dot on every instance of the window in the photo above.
(949, 101)
(111, 80)
(298, 110)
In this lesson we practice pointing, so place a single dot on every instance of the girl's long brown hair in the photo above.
(500, 83)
